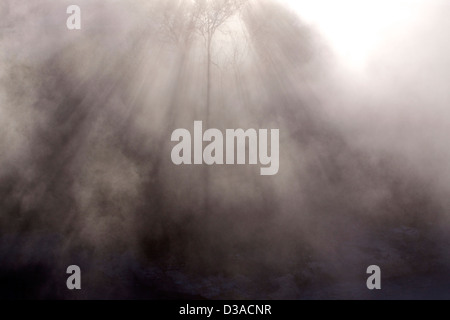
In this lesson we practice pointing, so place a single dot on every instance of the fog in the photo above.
(86, 118)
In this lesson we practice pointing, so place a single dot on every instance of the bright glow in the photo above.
(355, 29)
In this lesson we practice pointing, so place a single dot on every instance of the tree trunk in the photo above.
(208, 111)
(208, 82)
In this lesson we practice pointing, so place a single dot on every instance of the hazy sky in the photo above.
(359, 30)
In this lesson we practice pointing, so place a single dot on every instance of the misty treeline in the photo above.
(85, 169)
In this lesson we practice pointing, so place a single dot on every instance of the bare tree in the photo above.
(179, 21)
(210, 16)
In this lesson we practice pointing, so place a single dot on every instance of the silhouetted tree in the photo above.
(210, 16)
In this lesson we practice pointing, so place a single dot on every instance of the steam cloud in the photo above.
(86, 177)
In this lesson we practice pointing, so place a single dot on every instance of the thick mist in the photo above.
(86, 177)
